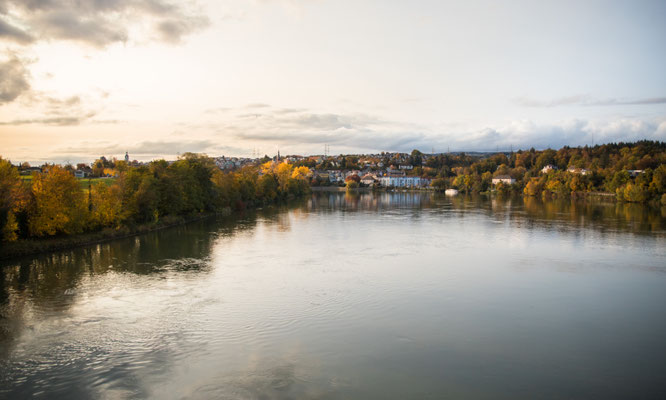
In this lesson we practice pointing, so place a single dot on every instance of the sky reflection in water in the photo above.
(402, 295)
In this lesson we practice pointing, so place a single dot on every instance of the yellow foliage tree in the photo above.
(301, 173)
(13, 198)
(283, 173)
(533, 187)
(59, 204)
(106, 204)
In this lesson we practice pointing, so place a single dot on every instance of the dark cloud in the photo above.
(13, 79)
(68, 25)
(59, 120)
(12, 33)
(97, 22)
(585, 100)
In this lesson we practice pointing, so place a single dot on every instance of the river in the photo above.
(368, 296)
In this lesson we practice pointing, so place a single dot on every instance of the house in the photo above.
(336, 176)
(406, 167)
(321, 174)
(30, 170)
(548, 168)
(635, 172)
(368, 179)
(394, 173)
(506, 179)
(580, 171)
(79, 173)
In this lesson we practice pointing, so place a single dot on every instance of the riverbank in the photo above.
(366, 189)
(28, 247)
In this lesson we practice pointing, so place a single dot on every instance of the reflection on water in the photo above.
(351, 295)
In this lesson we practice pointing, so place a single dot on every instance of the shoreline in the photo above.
(32, 247)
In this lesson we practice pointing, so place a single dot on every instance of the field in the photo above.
(83, 182)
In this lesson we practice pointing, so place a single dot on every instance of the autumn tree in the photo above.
(106, 205)
(13, 198)
(59, 204)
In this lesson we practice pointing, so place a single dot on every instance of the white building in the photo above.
(580, 171)
(506, 179)
(548, 168)
(404, 181)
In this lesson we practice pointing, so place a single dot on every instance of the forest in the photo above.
(55, 203)
(634, 172)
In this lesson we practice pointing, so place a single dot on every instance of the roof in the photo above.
(503, 177)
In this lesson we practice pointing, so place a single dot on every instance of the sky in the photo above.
(156, 78)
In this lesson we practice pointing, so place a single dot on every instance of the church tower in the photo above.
(126, 157)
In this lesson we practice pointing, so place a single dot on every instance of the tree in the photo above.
(301, 173)
(353, 178)
(439, 184)
(352, 184)
(13, 198)
(106, 205)
(533, 187)
(59, 204)
(416, 158)
(634, 193)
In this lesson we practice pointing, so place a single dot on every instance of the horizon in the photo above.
(257, 157)
(158, 78)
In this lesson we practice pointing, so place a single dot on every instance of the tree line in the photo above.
(634, 172)
(53, 202)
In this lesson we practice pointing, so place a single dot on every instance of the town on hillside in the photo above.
(600, 168)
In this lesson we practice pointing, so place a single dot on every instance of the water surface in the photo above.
(389, 296)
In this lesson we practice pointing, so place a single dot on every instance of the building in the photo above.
(404, 181)
(368, 179)
(79, 173)
(394, 173)
(506, 179)
(580, 171)
(126, 157)
(635, 172)
(548, 168)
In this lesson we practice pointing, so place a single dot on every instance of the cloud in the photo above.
(173, 30)
(646, 101)
(97, 22)
(59, 121)
(13, 79)
(152, 148)
(585, 100)
(67, 25)
(45, 109)
(306, 131)
(257, 105)
(12, 33)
